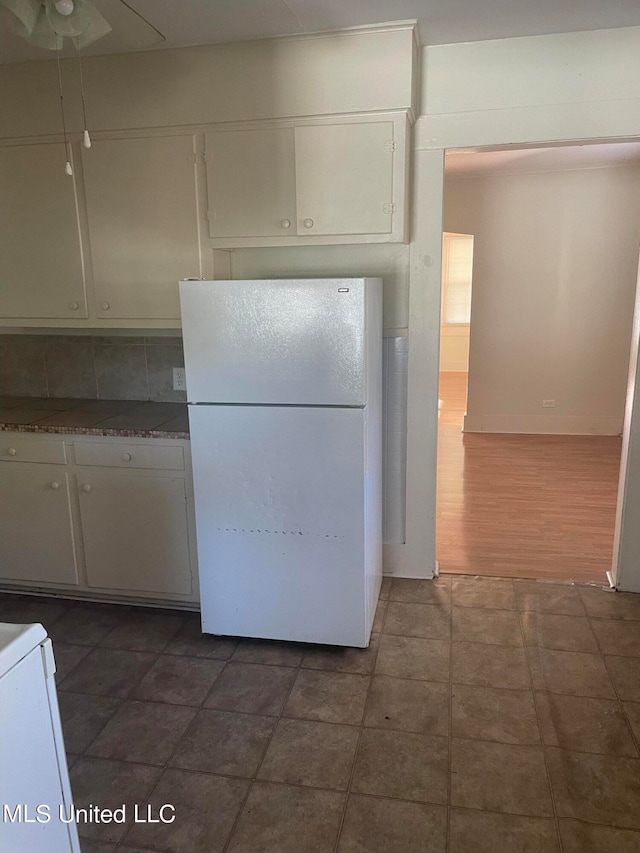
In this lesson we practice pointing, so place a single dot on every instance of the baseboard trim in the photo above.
(543, 425)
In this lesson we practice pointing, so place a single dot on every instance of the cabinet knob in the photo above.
(308, 223)
(86, 488)
(126, 457)
(286, 223)
(55, 486)
(105, 306)
(12, 451)
(74, 306)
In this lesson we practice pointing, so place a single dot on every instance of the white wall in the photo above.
(573, 86)
(273, 78)
(388, 261)
(454, 348)
(555, 258)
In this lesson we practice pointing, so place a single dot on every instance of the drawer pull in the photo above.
(308, 223)
(12, 451)
(74, 306)
(105, 306)
(286, 223)
(55, 486)
(127, 457)
(86, 488)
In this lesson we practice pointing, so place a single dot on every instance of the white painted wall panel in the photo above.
(274, 78)
(510, 73)
(554, 282)
(388, 262)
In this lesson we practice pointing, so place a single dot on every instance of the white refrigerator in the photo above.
(284, 384)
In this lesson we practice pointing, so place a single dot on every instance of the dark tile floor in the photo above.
(491, 716)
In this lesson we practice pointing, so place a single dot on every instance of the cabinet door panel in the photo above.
(41, 273)
(135, 533)
(143, 224)
(36, 539)
(251, 183)
(344, 178)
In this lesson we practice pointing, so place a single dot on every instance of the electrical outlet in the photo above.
(179, 379)
(548, 404)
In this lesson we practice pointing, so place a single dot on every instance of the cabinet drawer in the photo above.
(17, 449)
(129, 455)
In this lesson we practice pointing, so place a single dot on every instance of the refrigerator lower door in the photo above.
(279, 496)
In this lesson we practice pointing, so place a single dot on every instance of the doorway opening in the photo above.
(529, 437)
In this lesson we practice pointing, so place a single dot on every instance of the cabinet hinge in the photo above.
(389, 207)
(390, 146)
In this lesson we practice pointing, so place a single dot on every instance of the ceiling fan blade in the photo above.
(26, 14)
(85, 24)
(95, 26)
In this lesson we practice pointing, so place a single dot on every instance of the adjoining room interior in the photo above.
(540, 255)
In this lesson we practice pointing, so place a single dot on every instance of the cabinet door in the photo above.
(344, 178)
(41, 273)
(135, 532)
(251, 183)
(36, 537)
(143, 224)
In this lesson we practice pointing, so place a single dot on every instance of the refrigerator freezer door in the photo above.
(297, 342)
(280, 521)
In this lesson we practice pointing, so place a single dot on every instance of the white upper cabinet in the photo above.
(344, 178)
(251, 182)
(143, 224)
(41, 271)
(313, 182)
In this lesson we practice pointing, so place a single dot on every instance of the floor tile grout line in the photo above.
(544, 751)
(621, 705)
(623, 710)
(382, 797)
(254, 778)
(521, 617)
(361, 728)
(166, 765)
(447, 837)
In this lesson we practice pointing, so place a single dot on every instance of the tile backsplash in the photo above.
(101, 367)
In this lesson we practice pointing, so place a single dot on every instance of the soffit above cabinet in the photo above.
(354, 71)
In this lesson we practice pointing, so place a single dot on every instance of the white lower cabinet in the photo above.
(135, 532)
(36, 533)
(113, 520)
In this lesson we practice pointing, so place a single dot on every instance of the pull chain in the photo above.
(86, 139)
(67, 168)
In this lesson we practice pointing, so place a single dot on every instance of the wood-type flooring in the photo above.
(523, 506)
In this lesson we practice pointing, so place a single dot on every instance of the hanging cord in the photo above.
(86, 139)
(67, 168)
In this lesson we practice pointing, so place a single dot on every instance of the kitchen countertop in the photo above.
(129, 418)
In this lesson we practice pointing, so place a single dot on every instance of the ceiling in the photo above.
(177, 23)
(511, 161)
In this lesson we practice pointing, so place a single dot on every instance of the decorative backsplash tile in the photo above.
(102, 367)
